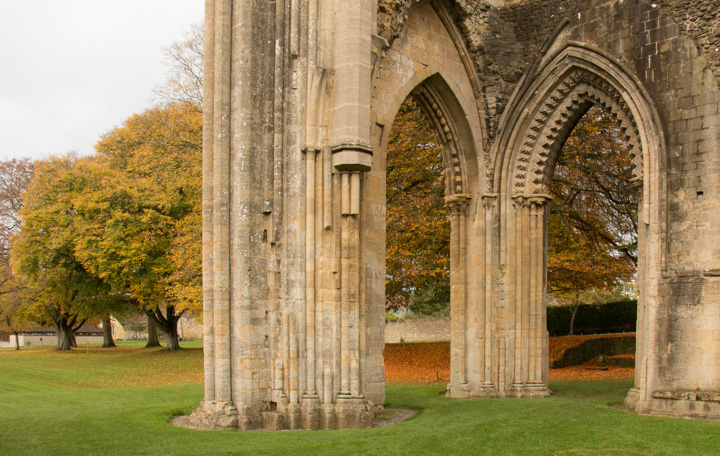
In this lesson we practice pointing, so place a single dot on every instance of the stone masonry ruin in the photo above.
(300, 98)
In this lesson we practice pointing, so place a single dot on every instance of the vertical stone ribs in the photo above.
(529, 327)
(459, 311)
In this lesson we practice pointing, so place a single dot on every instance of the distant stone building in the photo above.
(48, 336)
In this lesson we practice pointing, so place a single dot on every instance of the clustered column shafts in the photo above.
(519, 205)
(489, 202)
(283, 292)
(529, 305)
(538, 337)
(458, 206)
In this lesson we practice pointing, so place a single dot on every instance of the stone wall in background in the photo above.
(431, 329)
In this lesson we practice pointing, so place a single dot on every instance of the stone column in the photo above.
(489, 203)
(640, 384)
(529, 296)
(538, 323)
(207, 204)
(352, 409)
(520, 205)
(310, 399)
(221, 201)
(352, 155)
(458, 205)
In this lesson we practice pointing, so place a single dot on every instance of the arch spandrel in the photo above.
(426, 55)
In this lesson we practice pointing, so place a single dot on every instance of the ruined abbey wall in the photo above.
(300, 99)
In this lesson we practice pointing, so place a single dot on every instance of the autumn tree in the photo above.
(418, 229)
(44, 252)
(15, 176)
(592, 232)
(144, 227)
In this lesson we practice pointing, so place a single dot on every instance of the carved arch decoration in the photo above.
(570, 100)
(546, 106)
(542, 114)
(435, 110)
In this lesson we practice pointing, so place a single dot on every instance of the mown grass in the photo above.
(77, 404)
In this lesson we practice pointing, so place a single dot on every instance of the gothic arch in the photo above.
(542, 114)
(543, 111)
(429, 63)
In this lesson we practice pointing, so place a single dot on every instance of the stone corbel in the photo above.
(352, 157)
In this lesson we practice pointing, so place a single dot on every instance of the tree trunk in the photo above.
(108, 341)
(168, 323)
(573, 310)
(64, 336)
(17, 340)
(152, 334)
(173, 341)
(171, 328)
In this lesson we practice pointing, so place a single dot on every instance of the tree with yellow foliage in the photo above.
(145, 235)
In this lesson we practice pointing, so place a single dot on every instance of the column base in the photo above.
(458, 391)
(353, 412)
(704, 405)
(210, 415)
(520, 391)
(632, 398)
(310, 415)
(349, 412)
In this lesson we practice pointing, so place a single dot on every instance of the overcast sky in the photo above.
(71, 70)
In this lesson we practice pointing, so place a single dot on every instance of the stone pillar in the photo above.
(352, 155)
(459, 312)
(530, 327)
(286, 143)
(488, 386)
(640, 384)
(352, 408)
(537, 381)
(520, 205)
(310, 398)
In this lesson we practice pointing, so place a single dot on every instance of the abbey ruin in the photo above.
(300, 96)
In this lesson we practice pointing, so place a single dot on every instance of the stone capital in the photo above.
(458, 203)
(489, 200)
(307, 150)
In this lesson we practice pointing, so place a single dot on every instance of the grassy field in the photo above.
(119, 401)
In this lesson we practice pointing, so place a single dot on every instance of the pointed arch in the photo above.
(542, 114)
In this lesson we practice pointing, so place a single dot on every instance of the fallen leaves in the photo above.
(430, 362)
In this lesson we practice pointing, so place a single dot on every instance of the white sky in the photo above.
(71, 70)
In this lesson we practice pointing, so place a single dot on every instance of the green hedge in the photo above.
(613, 317)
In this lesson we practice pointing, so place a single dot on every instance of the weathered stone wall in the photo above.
(669, 50)
(299, 103)
(431, 329)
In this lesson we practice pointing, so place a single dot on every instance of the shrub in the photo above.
(613, 317)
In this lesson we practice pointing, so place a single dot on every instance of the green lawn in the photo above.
(75, 403)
